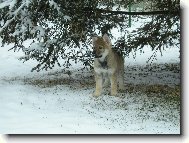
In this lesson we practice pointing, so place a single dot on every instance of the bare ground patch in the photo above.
(154, 79)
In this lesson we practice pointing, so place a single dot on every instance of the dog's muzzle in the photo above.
(95, 55)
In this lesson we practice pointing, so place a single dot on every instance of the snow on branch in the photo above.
(15, 13)
(7, 23)
(54, 4)
(138, 13)
(9, 3)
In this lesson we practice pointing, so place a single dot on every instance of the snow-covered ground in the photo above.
(60, 103)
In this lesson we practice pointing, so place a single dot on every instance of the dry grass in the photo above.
(154, 89)
(86, 80)
(174, 91)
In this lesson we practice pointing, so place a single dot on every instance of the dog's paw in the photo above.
(96, 94)
(113, 93)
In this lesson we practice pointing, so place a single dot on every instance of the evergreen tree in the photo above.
(62, 29)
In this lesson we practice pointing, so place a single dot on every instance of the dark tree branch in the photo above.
(140, 13)
(60, 34)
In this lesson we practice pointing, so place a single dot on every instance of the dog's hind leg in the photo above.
(121, 79)
(113, 79)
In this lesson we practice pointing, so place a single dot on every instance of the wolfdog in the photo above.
(108, 65)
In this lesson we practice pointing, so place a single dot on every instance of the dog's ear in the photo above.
(107, 39)
(94, 39)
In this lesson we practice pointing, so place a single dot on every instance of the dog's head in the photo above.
(101, 46)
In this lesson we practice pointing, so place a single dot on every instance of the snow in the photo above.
(9, 3)
(31, 104)
(54, 4)
(66, 17)
(170, 55)
(6, 24)
(15, 13)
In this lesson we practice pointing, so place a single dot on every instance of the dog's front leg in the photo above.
(98, 79)
(113, 79)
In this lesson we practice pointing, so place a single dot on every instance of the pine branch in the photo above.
(166, 12)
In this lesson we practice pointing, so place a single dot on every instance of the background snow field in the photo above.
(60, 101)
